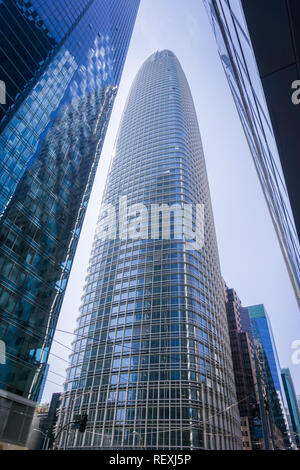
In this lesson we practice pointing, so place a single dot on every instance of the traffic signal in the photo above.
(80, 422)
(83, 423)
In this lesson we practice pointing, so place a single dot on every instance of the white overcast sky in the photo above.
(250, 256)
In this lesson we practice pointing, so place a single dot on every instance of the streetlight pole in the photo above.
(140, 439)
(60, 431)
(80, 421)
(45, 437)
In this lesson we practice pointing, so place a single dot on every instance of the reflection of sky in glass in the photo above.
(97, 70)
(49, 155)
(21, 137)
(56, 15)
(262, 330)
(242, 74)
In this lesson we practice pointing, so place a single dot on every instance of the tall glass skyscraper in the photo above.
(292, 403)
(151, 362)
(262, 333)
(261, 67)
(61, 63)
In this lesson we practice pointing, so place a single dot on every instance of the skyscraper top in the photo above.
(257, 311)
(155, 343)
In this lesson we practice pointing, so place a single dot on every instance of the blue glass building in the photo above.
(151, 362)
(61, 63)
(262, 331)
(263, 335)
(292, 403)
(258, 44)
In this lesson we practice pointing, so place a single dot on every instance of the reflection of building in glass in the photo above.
(52, 131)
(151, 364)
(27, 47)
(262, 330)
(263, 335)
(274, 434)
(292, 403)
(291, 431)
(260, 74)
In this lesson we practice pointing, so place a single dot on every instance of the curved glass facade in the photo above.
(270, 159)
(52, 130)
(151, 364)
